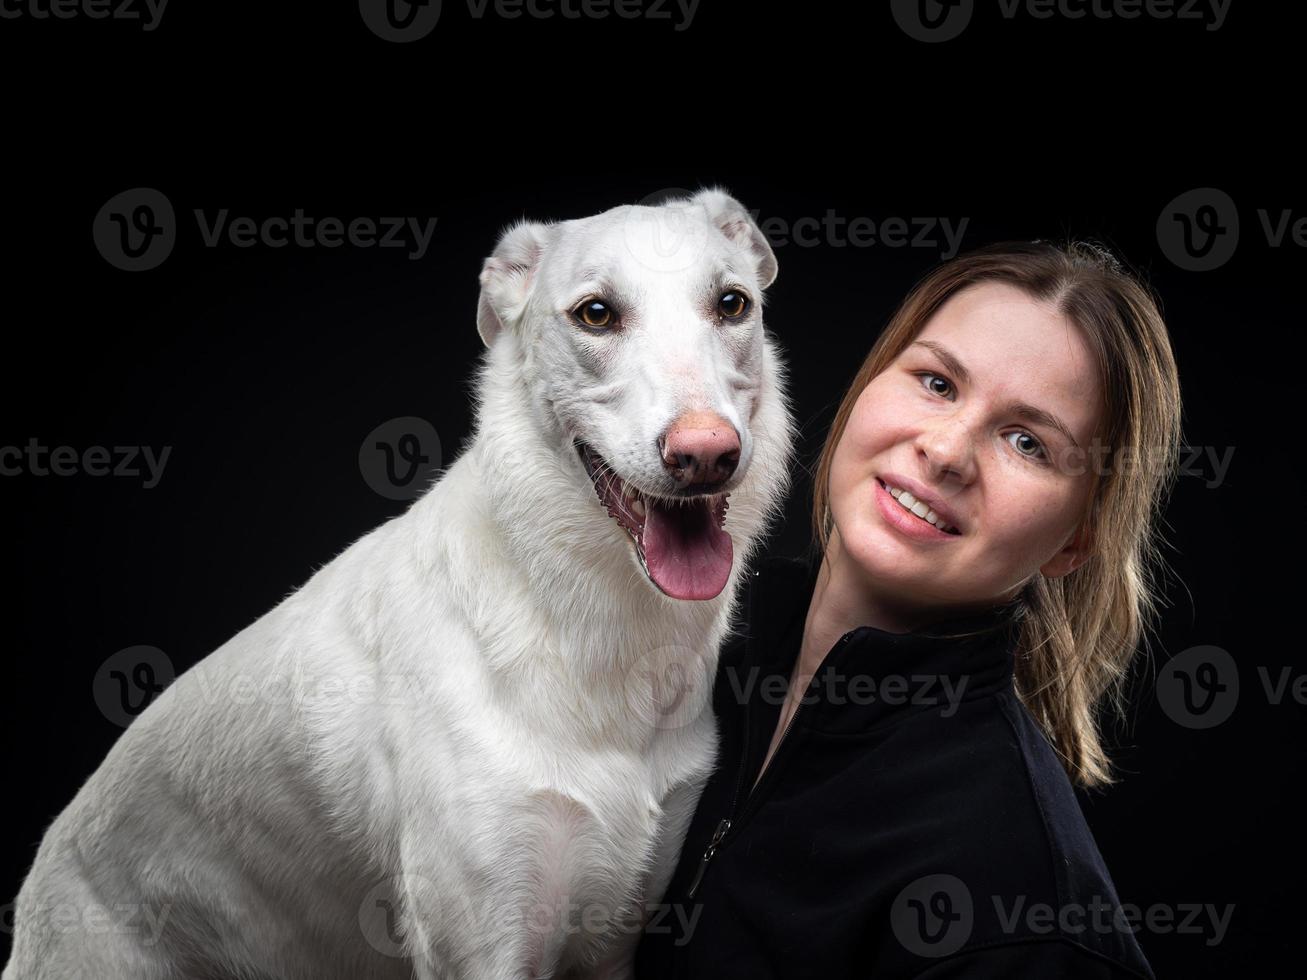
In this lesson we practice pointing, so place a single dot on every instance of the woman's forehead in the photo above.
(1015, 346)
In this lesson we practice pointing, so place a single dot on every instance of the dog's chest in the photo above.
(581, 852)
(578, 853)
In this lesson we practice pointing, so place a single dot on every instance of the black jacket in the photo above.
(914, 822)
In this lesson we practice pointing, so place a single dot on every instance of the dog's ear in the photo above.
(506, 277)
(738, 226)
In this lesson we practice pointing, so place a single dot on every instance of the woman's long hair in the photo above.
(1077, 633)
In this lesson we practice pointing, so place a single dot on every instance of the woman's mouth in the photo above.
(908, 505)
(680, 541)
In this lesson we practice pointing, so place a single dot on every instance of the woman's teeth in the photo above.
(915, 506)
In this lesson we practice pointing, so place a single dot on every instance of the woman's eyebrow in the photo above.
(1031, 413)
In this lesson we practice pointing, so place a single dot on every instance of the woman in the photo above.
(903, 724)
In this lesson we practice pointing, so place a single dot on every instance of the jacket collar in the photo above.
(871, 674)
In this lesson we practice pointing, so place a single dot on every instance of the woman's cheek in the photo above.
(1026, 535)
(872, 425)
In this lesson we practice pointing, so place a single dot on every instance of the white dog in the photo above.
(476, 765)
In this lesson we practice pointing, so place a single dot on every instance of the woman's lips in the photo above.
(909, 524)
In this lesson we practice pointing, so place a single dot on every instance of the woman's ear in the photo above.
(1078, 550)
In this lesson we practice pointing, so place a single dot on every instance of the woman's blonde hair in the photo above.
(1078, 633)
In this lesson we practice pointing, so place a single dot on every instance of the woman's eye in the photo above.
(733, 305)
(937, 377)
(595, 313)
(1039, 454)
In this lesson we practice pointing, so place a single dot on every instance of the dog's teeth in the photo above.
(637, 507)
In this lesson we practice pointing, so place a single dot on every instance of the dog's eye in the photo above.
(595, 313)
(733, 305)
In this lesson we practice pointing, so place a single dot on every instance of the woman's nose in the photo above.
(948, 446)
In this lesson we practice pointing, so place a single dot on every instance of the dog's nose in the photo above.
(701, 449)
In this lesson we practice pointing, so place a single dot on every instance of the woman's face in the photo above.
(1014, 486)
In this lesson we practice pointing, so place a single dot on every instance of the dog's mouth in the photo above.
(680, 541)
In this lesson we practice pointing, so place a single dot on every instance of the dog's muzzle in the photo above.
(680, 541)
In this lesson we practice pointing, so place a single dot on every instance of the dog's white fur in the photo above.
(490, 750)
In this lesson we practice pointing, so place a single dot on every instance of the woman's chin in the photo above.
(882, 555)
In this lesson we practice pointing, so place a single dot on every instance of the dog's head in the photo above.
(642, 335)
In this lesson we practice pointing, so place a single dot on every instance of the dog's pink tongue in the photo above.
(688, 554)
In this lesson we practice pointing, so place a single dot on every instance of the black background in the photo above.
(264, 369)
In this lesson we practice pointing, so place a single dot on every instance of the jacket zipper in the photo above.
(724, 825)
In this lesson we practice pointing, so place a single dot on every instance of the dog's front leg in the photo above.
(496, 964)
(678, 810)
(619, 962)
(453, 932)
